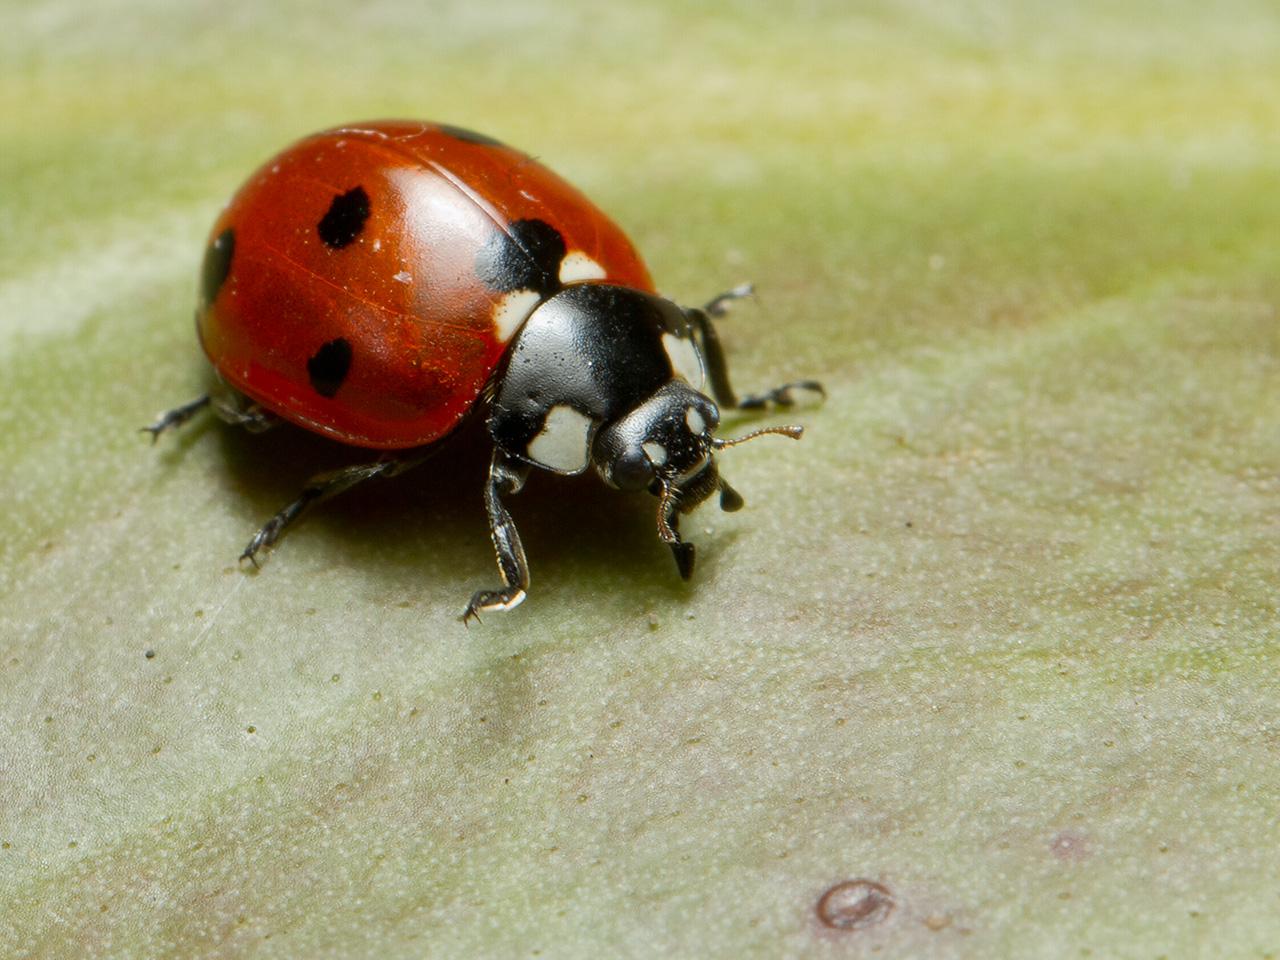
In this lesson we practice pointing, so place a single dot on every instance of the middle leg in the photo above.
(322, 487)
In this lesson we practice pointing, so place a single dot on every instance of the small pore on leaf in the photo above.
(1071, 846)
(855, 905)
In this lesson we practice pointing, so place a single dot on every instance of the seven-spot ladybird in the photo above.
(377, 282)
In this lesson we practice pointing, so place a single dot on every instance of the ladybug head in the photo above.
(666, 446)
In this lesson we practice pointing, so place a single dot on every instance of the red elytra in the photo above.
(402, 292)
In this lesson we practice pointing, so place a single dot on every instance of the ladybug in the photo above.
(379, 282)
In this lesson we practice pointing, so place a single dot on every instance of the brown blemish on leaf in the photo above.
(855, 905)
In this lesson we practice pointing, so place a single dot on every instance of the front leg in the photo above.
(506, 477)
(782, 396)
(708, 340)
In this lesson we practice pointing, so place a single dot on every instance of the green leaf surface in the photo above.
(1000, 634)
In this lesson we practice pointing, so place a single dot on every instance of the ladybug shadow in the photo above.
(430, 520)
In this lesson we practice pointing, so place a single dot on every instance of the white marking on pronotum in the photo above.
(693, 420)
(564, 443)
(655, 451)
(513, 310)
(684, 359)
(578, 266)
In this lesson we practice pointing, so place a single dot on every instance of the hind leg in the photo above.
(172, 419)
(235, 408)
(229, 405)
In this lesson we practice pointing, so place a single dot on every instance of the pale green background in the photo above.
(999, 633)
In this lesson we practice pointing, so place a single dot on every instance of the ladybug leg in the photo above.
(782, 396)
(682, 551)
(708, 340)
(321, 487)
(718, 306)
(172, 419)
(230, 406)
(506, 477)
(238, 410)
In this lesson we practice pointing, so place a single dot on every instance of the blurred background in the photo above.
(999, 635)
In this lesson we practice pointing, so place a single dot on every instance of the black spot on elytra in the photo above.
(527, 257)
(469, 136)
(216, 266)
(345, 218)
(329, 367)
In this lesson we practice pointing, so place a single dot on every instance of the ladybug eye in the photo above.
(631, 470)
